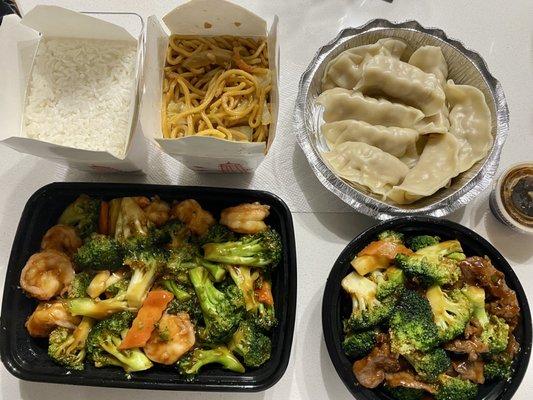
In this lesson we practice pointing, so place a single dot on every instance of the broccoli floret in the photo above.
(233, 294)
(499, 367)
(217, 234)
(104, 340)
(416, 243)
(265, 315)
(367, 310)
(184, 300)
(245, 279)
(119, 287)
(391, 236)
(67, 348)
(78, 286)
(496, 334)
(174, 234)
(260, 250)
(411, 324)
(191, 307)
(193, 361)
(451, 311)
(99, 252)
(358, 344)
(404, 393)
(429, 365)
(221, 317)
(432, 265)
(180, 292)
(451, 388)
(186, 257)
(251, 344)
(217, 271)
(495, 330)
(146, 264)
(129, 219)
(83, 215)
(390, 282)
(182, 259)
(97, 309)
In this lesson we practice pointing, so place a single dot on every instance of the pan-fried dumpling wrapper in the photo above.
(345, 70)
(470, 123)
(438, 164)
(402, 81)
(366, 165)
(341, 104)
(399, 142)
(431, 60)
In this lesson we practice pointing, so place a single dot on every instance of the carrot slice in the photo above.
(103, 220)
(144, 323)
(384, 248)
(264, 294)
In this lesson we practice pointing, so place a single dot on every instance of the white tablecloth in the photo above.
(500, 31)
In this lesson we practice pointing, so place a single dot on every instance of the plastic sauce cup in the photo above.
(511, 199)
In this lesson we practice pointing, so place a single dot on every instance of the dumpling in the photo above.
(366, 165)
(438, 123)
(431, 60)
(470, 123)
(438, 164)
(399, 142)
(340, 104)
(402, 81)
(345, 69)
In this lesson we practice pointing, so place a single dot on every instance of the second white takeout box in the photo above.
(205, 18)
(19, 41)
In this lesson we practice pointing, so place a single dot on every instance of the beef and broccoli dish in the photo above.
(427, 321)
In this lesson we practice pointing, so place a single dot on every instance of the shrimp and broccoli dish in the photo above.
(426, 321)
(135, 281)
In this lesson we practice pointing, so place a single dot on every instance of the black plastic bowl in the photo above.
(26, 357)
(336, 306)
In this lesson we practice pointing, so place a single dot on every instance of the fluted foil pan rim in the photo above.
(365, 204)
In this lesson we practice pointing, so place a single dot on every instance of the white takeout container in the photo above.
(204, 18)
(19, 40)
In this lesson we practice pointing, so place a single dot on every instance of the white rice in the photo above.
(80, 94)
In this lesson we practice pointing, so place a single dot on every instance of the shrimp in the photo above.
(194, 216)
(245, 218)
(62, 238)
(173, 337)
(142, 201)
(49, 315)
(158, 212)
(47, 274)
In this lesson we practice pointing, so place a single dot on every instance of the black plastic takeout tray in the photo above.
(26, 357)
(336, 306)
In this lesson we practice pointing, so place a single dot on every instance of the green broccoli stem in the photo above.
(141, 281)
(245, 281)
(192, 363)
(132, 360)
(206, 292)
(216, 270)
(88, 307)
(236, 253)
(172, 287)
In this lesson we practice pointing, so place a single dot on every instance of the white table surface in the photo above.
(500, 31)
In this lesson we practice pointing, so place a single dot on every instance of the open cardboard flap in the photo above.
(204, 18)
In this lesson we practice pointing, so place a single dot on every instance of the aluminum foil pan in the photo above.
(465, 67)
